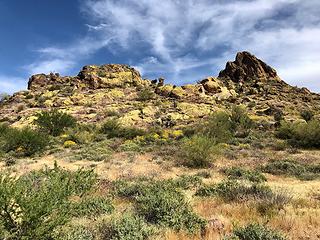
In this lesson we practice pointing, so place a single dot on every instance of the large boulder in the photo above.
(52, 81)
(247, 67)
(212, 85)
(110, 75)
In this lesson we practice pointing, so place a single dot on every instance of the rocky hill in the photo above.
(99, 92)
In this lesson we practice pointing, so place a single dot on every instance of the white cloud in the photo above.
(62, 59)
(55, 65)
(10, 84)
(180, 37)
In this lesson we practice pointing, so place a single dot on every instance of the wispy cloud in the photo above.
(10, 84)
(191, 38)
(62, 59)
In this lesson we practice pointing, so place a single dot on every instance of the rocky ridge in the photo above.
(100, 92)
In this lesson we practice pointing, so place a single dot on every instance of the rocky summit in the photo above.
(248, 67)
(98, 92)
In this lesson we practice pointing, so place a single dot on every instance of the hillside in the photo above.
(99, 90)
(108, 155)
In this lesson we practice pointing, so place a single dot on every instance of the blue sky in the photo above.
(181, 40)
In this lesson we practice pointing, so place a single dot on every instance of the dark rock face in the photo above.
(247, 67)
(38, 80)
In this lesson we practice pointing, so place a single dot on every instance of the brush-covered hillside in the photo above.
(107, 154)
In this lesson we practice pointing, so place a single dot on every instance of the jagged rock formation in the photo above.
(97, 92)
(247, 67)
(93, 77)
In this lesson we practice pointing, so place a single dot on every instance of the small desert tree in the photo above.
(33, 205)
(54, 122)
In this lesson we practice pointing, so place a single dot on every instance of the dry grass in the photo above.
(299, 220)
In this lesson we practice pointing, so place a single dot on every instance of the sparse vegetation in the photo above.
(93, 207)
(4, 96)
(128, 227)
(162, 203)
(255, 231)
(307, 115)
(266, 201)
(244, 174)
(112, 129)
(75, 232)
(145, 94)
(232, 190)
(97, 151)
(292, 168)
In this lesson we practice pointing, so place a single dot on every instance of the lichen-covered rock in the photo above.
(100, 92)
(165, 90)
(177, 92)
(110, 76)
(212, 85)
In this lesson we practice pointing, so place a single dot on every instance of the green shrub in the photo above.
(292, 168)
(307, 115)
(82, 134)
(186, 182)
(162, 202)
(237, 191)
(232, 190)
(92, 207)
(25, 141)
(112, 129)
(139, 186)
(32, 206)
(271, 204)
(301, 134)
(241, 124)
(93, 152)
(166, 206)
(145, 94)
(112, 113)
(128, 227)
(131, 146)
(204, 174)
(244, 174)
(285, 131)
(206, 191)
(4, 128)
(219, 127)
(222, 127)
(256, 231)
(197, 151)
(54, 122)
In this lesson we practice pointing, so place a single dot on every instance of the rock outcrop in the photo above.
(110, 75)
(114, 89)
(92, 77)
(247, 67)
